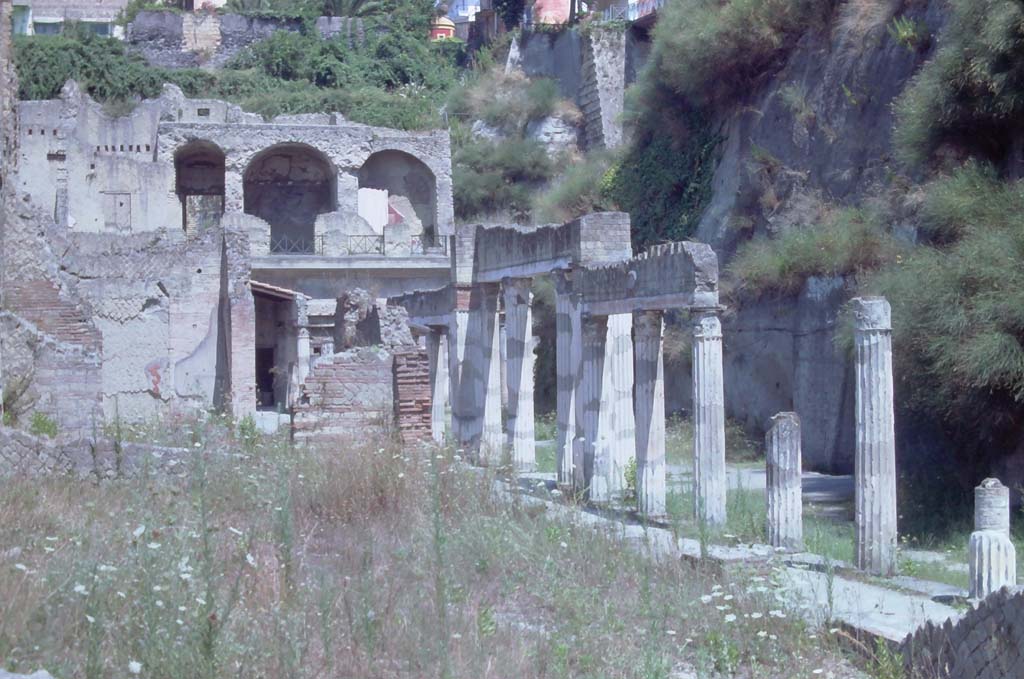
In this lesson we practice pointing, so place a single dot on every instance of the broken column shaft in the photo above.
(992, 558)
(519, 352)
(785, 504)
(649, 408)
(875, 463)
(710, 481)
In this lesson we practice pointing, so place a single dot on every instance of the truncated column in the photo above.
(437, 353)
(568, 357)
(991, 555)
(650, 413)
(785, 504)
(519, 352)
(875, 463)
(710, 481)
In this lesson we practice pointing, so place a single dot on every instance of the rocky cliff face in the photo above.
(819, 134)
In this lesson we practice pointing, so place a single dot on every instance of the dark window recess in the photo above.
(56, 156)
(204, 112)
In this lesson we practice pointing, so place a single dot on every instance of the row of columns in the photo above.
(610, 401)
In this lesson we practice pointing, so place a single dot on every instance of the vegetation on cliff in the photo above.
(397, 78)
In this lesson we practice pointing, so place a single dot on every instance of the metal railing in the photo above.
(633, 11)
(425, 244)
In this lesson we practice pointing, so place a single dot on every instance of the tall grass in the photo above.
(362, 559)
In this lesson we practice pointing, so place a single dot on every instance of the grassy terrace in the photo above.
(356, 560)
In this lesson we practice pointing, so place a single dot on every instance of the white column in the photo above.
(785, 504)
(650, 413)
(459, 388)
(519, 368)
(303, 355)
(594, 333)
(875, 462)
(611, 433)
(710, 482)
(568, 358)
(991, 555)
(487, 397)
(437, 350)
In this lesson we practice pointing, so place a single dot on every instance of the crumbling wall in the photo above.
(346, 394)
(25, 455)
(987, 642)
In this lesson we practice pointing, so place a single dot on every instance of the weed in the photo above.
(905, 31)
(42, 424)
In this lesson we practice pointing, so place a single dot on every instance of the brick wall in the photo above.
(346, 394)
(412, 394)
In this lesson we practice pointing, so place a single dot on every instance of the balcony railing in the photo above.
(633, 11)
(343, 246)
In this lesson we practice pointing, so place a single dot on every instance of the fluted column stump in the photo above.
(437, 354)
(519, 353)
(991, 555)
(875, 463)
(649, 408)
(568, 366)
(617, 442)
(785, 522)
(710, 481)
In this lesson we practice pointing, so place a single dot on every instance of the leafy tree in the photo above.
(353, 8)
(510, 12)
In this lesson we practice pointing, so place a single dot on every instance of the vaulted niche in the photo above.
(199, 183)
(287, 186)
(408, 181)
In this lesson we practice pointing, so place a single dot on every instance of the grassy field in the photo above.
(356, 560)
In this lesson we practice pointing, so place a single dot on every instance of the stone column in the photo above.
(991, 555)
(437, 355)
(650, 413)
(519, 369)
(785, 504)
(303, 351)
(619, 434)
(568, 357)
(458, 337)
(710, 481)
(875, 462)
(486, 375)
(589, 398)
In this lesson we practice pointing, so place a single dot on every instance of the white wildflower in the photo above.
(730, 617)
(251, 560)
(139, 530)
(706, 599)
(134, 666)
(80, 589)
(154, 545)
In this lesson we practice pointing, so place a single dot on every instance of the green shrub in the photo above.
(958, 314)
(712, 52)
(507, 101)
(42, 424)
(582, 189)
(491, 177)
(971, 93)
(852, 241)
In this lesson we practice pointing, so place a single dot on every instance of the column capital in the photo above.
(706, 325)
(872, 314)
(563, 280)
